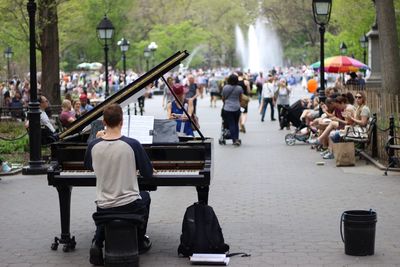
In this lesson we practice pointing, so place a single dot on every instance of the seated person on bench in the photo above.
(115, 160)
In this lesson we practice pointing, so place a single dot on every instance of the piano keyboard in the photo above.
(156, 173)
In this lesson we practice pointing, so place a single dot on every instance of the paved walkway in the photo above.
(272, 201)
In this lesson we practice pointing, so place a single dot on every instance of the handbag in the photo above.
(244, 101)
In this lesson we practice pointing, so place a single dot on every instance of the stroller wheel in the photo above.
(290, 139)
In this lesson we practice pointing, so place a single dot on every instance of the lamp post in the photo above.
(364, 43)
(105, 31)
(153, 47)
(322, 14)
(124, 45)
(146, 54)
(343, 48)
(36, 165)
(8, 55)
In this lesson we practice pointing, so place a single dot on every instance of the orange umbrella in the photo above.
(341, 64)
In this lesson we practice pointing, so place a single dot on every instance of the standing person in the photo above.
(115, 160)
(268, 93)
(231, 95)
(214, 90)
(259, 83)
(193, 91)
(167, 96)
(245, 84)
(175, 111)
(282, 100)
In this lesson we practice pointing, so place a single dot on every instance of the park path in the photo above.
(272, 201)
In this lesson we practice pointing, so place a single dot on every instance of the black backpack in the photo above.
(201, 232)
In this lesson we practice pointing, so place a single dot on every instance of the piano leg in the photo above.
(64, 196)
(202, 193)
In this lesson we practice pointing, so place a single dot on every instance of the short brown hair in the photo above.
(112, 115)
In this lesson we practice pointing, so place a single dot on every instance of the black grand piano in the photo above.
(187, 162)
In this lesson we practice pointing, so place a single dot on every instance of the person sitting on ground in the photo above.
(115, 160)
(85, 107)
(66, 116)
(175, 111)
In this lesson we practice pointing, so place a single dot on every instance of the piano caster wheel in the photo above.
(70, 245)
(222, 142)
(54, 246)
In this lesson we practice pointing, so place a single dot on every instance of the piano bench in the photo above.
(121, 243)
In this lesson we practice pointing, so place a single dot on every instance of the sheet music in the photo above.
(138, 127)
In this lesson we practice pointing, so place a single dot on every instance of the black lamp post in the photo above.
(153, 47)
(36, 165)
(322, 14)
(364, 43)
(105, 31)
(8, 55)
(146, 54)
(124, 45)
(343, 48)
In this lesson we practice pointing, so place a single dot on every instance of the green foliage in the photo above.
(15, 150)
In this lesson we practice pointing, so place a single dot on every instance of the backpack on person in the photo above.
(201, 232)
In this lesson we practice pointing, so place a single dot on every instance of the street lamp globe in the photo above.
(8, 53)
(123, 44)
(343, 48)
(105, 29)
(153, 46)
(322, 11)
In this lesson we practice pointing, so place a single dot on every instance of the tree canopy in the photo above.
(204, 26)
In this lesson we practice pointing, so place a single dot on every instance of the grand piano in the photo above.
(187, 162)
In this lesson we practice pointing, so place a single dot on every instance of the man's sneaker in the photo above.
(96, 255)
(328, 156)
(144, 245)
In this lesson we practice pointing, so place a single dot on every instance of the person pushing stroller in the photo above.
(231, 96)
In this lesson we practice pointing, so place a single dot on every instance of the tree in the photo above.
(388, 43)
(49, 42)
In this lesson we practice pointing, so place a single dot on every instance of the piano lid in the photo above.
(124, 96)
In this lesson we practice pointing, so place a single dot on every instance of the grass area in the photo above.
(13, 149)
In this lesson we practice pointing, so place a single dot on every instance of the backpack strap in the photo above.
(238, 253)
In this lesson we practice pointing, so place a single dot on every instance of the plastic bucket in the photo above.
(357, 228)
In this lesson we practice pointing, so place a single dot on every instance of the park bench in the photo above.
(361, 138)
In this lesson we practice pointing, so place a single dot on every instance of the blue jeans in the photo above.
(139, 206)
(266, 101)
(232, 119)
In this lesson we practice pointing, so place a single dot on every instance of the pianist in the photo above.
(115, 160)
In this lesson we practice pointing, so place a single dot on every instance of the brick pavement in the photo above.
(272, 201)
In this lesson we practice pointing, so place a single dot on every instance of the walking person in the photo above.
(268, 93)
(245, 84)
(282, 101)
(115, 160)
(231, 95)
(214, 90)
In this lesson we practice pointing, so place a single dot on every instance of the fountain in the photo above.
(263, 49)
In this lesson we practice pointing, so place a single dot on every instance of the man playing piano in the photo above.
(115, 160)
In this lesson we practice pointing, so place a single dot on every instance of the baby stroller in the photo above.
(225, 133)
(292, 115)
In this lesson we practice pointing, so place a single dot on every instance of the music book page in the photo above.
(138, 127)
